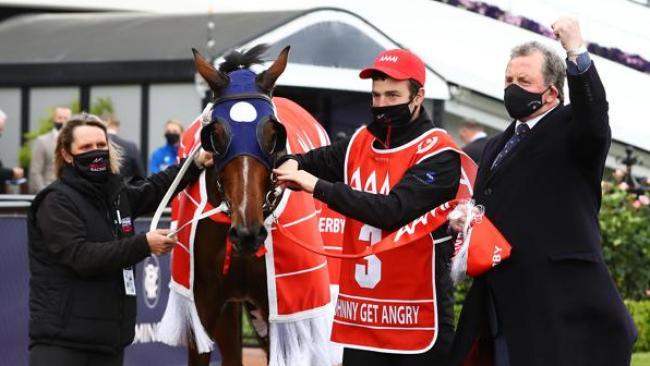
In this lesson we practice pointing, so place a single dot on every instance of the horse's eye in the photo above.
(220, 138)
(273, 137)
(215, 137)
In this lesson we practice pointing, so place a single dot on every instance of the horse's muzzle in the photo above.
(247, 239)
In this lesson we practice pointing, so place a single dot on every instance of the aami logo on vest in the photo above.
(369, 183)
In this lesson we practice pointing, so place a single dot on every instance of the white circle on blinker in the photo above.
(243, 112)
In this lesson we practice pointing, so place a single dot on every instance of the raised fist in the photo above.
(567, 31)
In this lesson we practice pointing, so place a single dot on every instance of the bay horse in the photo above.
(243, 179)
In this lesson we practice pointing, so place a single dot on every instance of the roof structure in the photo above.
(328, 47)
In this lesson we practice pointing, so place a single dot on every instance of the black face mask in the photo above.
(92, 165)
(172, 138)
(392, 115)
(58, 125)
(521, 103)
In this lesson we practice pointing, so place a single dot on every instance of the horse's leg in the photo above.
(259, 320)
(259, 297)
(209, 296)
(194, 358)
(207, 304)
(227, 333)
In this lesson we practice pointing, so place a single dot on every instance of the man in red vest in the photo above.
(394, 308)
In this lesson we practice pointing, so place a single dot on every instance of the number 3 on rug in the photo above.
(368, 275)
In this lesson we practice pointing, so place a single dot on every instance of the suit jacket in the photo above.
(5, 173)
(475, 148)
(132, 163)
(41, 167)
(555, 301)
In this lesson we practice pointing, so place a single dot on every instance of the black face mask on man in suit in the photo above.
(520, 103)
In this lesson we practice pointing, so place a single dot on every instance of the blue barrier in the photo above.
(152, 277)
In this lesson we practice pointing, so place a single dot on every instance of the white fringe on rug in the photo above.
(300, 342)
(180, 322)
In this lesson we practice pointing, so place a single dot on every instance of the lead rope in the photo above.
(172, 188)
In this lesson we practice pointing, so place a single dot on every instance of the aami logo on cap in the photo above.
(388, 58)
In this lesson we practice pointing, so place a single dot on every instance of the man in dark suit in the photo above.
(132, 166)
(472, 135)
(553, 301)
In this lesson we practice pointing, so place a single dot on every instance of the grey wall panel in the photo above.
(167, 101)
(43, 100)
(126, 103)
(10, 140)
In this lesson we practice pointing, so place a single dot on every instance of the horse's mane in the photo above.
(236, 60)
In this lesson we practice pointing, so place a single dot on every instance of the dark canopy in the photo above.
(92, 48)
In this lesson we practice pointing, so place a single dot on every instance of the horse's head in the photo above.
(243, 133)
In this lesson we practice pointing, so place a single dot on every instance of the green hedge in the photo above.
(640, 311)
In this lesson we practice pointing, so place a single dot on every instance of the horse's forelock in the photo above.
(236, 60)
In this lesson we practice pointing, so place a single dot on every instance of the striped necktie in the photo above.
(520, 133)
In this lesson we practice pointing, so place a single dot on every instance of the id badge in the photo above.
(129, 281)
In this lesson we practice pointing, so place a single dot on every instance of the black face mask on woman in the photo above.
(392, 115)
(172, 138)
(520, 103)
(92, 165)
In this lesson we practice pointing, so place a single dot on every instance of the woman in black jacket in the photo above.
(82, 249)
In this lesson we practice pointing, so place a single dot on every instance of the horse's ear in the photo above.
(267, 79)
(215, 78)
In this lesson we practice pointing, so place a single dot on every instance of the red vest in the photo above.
(387, 302)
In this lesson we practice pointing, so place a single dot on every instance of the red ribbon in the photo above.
(407, 234)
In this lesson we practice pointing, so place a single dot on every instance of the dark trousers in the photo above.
(438, 355)
(501, 353)
(42, 354)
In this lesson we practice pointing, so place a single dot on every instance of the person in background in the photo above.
(132, 166)
(7, 173)
(41, 166)
(472, 135)
(166, 155)
(83, 248)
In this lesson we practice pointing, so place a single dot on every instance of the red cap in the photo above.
(399, 64)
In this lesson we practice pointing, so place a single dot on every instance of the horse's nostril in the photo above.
(248, 239)
(261, 233)
(233, 235)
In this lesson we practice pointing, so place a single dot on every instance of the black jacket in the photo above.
(475, 149)
(555, 301)
(132, 164)
(5, 173)
(77, 250)
(407, 200)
